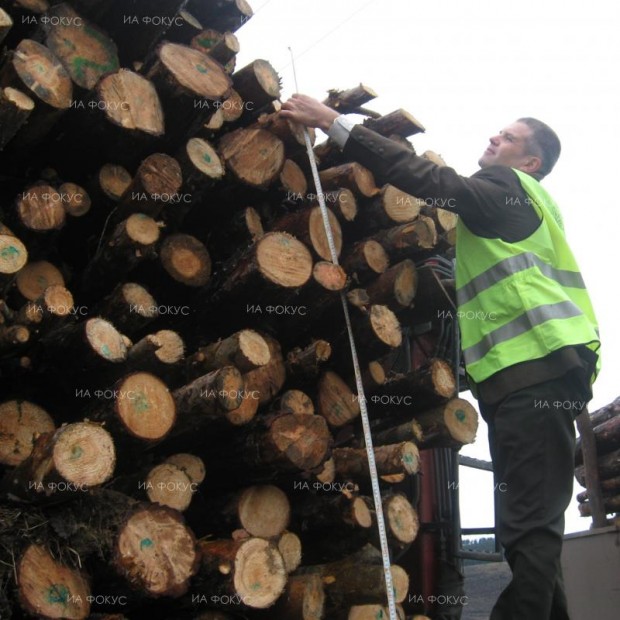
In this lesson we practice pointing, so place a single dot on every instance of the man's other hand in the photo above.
(309, 112)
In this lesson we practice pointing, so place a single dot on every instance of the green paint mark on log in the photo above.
(9, 252)
(145, 543)
(202, 69)
(58, 593)
(141, 403)
(460, 415)
(206, 42)
(105, 351)
(256, 586)
(76, 452)
(207, 158)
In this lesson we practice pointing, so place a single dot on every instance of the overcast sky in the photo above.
(465, 70)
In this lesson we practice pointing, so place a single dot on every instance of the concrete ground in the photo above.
(483, 583)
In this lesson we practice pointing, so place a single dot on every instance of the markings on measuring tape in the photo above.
(372, 465)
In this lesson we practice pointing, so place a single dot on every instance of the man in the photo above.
(531, 350)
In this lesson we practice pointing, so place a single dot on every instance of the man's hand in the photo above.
(309, 112)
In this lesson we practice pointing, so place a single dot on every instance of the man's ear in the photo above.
(531, 165)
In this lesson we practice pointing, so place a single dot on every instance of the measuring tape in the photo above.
(372, 465)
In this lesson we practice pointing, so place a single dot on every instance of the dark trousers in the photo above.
(532, 441)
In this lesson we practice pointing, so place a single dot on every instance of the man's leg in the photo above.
(532, 446)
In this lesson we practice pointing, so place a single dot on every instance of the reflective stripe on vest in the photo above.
(526, 298)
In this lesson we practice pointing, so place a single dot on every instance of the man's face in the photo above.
(508, 148)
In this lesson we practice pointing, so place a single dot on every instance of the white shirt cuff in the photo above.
(340, 130)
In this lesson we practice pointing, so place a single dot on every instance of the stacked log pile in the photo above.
(180, 433)
(606, 427)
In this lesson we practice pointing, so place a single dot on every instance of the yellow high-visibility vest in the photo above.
(521, 301)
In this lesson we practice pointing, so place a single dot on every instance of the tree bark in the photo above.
(391, 459)
(351, 176)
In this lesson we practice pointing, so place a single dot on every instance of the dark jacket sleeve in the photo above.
(491, 202)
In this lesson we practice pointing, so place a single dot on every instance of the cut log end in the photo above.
(114, 180)
(401, 519)
(145, 406)
(156, 552)
(205, 158)
(48, 589)
(385, 325)
(284, 260)
(289, 547)
(84, 454)
(195, 71)
(43, 74)
(192, 465)
(170, 486)
(35, 277)
(13, 254)
(260, 575)
(131, 102)
(186, 259)
(301, 440)
(105, 340)
(40, 209)
(264, 511)
(20, 423)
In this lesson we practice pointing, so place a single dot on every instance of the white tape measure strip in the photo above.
(372, 465)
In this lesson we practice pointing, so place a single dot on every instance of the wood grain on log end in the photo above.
(186, 259)
(35, 277)
(13, 255)
(264, 510)
(130, 101)
(43, 74)
(156, 552)
(49, 589)
(168, 485)
(20, 423)
(145, 406)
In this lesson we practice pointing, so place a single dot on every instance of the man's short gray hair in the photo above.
(543, 143)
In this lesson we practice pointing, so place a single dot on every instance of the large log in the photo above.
(155, 186)
(269, 379)
(48, 588)
(401, 458)
(276, 261)
(407, 239)
(307, 225)
(260, 510)
(257, 83)
(303, 598)
(390, 207)
(129, 306)
(189, 83)
(246, 350)
(210, 397)
(140, 406)
(20, 423)
(305, 362)
(352, 176)
(149, 546)
(399, 122)
(366, 260)
(254, 156)
(335, 400)
(251, 570)
(609, 487)
(359, 579)
(35, 70)
(611, 505)
(70, 460)
(84, 50)
(396, 287)
(451, 425)
(13, 257)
